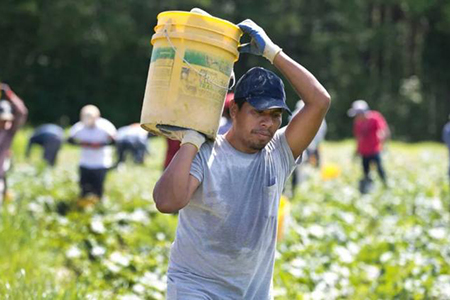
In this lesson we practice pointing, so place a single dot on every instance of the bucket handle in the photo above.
(233, 76)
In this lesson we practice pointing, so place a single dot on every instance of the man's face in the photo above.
(256, 128)
(360, 115)
(88, 120)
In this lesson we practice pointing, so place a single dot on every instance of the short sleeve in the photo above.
(108, 127)
(199, 163)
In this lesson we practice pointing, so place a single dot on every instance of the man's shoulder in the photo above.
(219, 142)
(218, 148)
(107, 126)
(376, 115)
(102, 122)
(77, 126)
(206, 147)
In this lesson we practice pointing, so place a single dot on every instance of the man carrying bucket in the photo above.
(227, 192)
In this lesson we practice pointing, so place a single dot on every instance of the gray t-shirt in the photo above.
(226, 236)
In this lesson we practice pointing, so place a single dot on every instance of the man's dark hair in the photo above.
(239, 102)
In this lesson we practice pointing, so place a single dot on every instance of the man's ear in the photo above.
(233, 109)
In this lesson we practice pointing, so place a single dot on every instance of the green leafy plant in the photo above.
(390, 244)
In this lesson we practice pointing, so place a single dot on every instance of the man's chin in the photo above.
(259, 145)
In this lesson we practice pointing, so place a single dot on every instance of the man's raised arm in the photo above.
(305, 124)
(19, 108)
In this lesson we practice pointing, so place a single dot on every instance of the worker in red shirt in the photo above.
(370, 130)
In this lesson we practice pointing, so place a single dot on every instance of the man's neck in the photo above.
(237, 143)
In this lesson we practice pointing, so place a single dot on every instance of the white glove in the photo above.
(199, 11)
(189, 137)
(260, 44)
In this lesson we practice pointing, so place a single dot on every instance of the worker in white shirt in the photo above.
(94, 135)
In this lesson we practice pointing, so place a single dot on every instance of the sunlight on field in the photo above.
(392, 243)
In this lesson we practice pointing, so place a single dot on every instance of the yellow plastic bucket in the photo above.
(190, 69)
(330, 171)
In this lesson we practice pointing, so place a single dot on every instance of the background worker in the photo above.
(371, 131)
(94, 135)
(131, 139)
(227, 192)
(50, 138)
(446, 139)
(13, 114)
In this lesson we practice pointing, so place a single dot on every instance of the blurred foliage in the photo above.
(390, 244)
(61, 54)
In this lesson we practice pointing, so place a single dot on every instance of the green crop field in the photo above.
(390, 244)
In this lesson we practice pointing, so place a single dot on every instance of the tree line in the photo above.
(61, 54)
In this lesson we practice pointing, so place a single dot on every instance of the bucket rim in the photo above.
(237, 40)
(213, 43)
(228, 23)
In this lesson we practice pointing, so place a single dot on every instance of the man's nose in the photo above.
(267, 121)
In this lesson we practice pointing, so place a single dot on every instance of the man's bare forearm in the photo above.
(171, 192)
(303, 82)
(304, 126)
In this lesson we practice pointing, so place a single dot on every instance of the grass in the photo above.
(390, 244)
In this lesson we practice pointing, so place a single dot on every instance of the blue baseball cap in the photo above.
(262, 89)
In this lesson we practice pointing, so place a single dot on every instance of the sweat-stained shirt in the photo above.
(226, 236)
